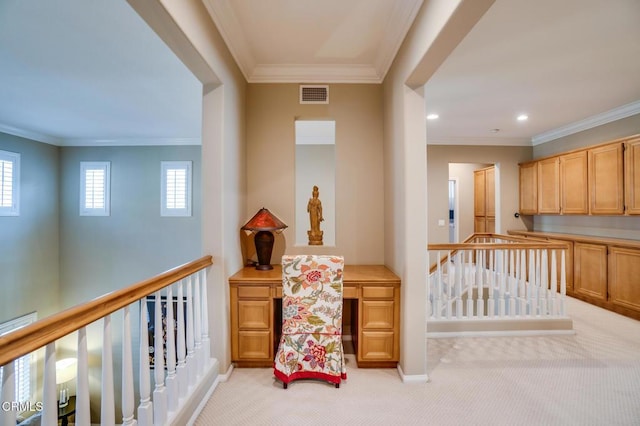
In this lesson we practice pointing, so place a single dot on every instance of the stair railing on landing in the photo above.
(497, 276)
(187, 349)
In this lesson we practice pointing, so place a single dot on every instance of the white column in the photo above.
(171, 382)
(159, 393)
(8, 417)
(107, 404)
(127, 370)
(145, 409)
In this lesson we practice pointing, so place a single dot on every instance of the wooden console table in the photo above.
(256, 315)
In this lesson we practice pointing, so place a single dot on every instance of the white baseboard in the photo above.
(412, 378)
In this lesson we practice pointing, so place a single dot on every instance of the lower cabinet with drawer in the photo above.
(371, 291)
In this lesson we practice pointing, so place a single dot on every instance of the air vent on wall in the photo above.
(314, 94)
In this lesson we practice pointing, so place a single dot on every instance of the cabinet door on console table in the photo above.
(379, 318)
(590, 270)
(624, 275)
(253, 323)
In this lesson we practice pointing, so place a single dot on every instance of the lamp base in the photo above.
(264, 245)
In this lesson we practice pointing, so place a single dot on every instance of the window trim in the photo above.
(95, 165)
(176, 212)
(14, 209)
(23, 394)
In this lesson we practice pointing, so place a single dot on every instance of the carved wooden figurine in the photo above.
(314, 207)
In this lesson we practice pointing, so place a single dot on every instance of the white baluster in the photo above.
(437, 297)
(522, 285)
(127, 370)
(544, 283)
(480, 282)
(468, 270)
(191, 360)
(181, 369)
(563, 285)
(532, 287)
(83, 413)
(145, 409)
(206, 344)
(107, 404)
(514, 260)
(459, 279)
(553, 285)
(159, 393)
(49, 391)
(8, 416)
(491, 309)
(171, 382)
(503, 283)
(197, 323)
(450, 280)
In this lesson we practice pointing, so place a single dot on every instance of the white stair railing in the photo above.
(500, 277)
(172, 386)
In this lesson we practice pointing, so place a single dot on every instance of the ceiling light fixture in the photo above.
(432, 116)
(523, 117)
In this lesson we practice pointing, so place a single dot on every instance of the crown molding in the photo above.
(478, 141)
(131, 142)
(29, 134)
(614, 114)
(230, 29)
(314, 74)
(398, 25)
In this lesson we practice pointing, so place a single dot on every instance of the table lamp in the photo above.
(263, 223)
(65, 372)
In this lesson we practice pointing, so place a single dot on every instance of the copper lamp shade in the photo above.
(263, 223)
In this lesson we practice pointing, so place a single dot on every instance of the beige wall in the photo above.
(357, 111)
(627, 227)
(506, 159)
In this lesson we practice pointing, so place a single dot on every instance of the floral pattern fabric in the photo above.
(311, 341)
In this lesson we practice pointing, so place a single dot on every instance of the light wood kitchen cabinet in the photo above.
(624, 270)
(529, 188)
(590, 270)
(549, 186)
(574, 196)
(605, 270)
(632, 175)
(606, 177)
(484, 199)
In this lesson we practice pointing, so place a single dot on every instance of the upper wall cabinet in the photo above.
(484, 184)
(606, 180)
(632, 178)
(574, 197)
(549, 186)
(529, 188)
(601, 180)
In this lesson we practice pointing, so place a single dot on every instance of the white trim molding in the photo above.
(614, 114)
(412, 378)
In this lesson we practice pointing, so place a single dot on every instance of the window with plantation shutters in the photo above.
(22, 365)
(9, 183)
(176, 188)
(95, 196)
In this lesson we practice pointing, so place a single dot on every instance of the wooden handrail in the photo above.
(34, 336)
(522, 244)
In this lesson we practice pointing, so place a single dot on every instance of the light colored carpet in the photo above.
(590, 378)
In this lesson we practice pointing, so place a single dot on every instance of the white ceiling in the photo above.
(74, 72)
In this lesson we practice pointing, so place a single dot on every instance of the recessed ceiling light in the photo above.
(432, 116)
(523, 117)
